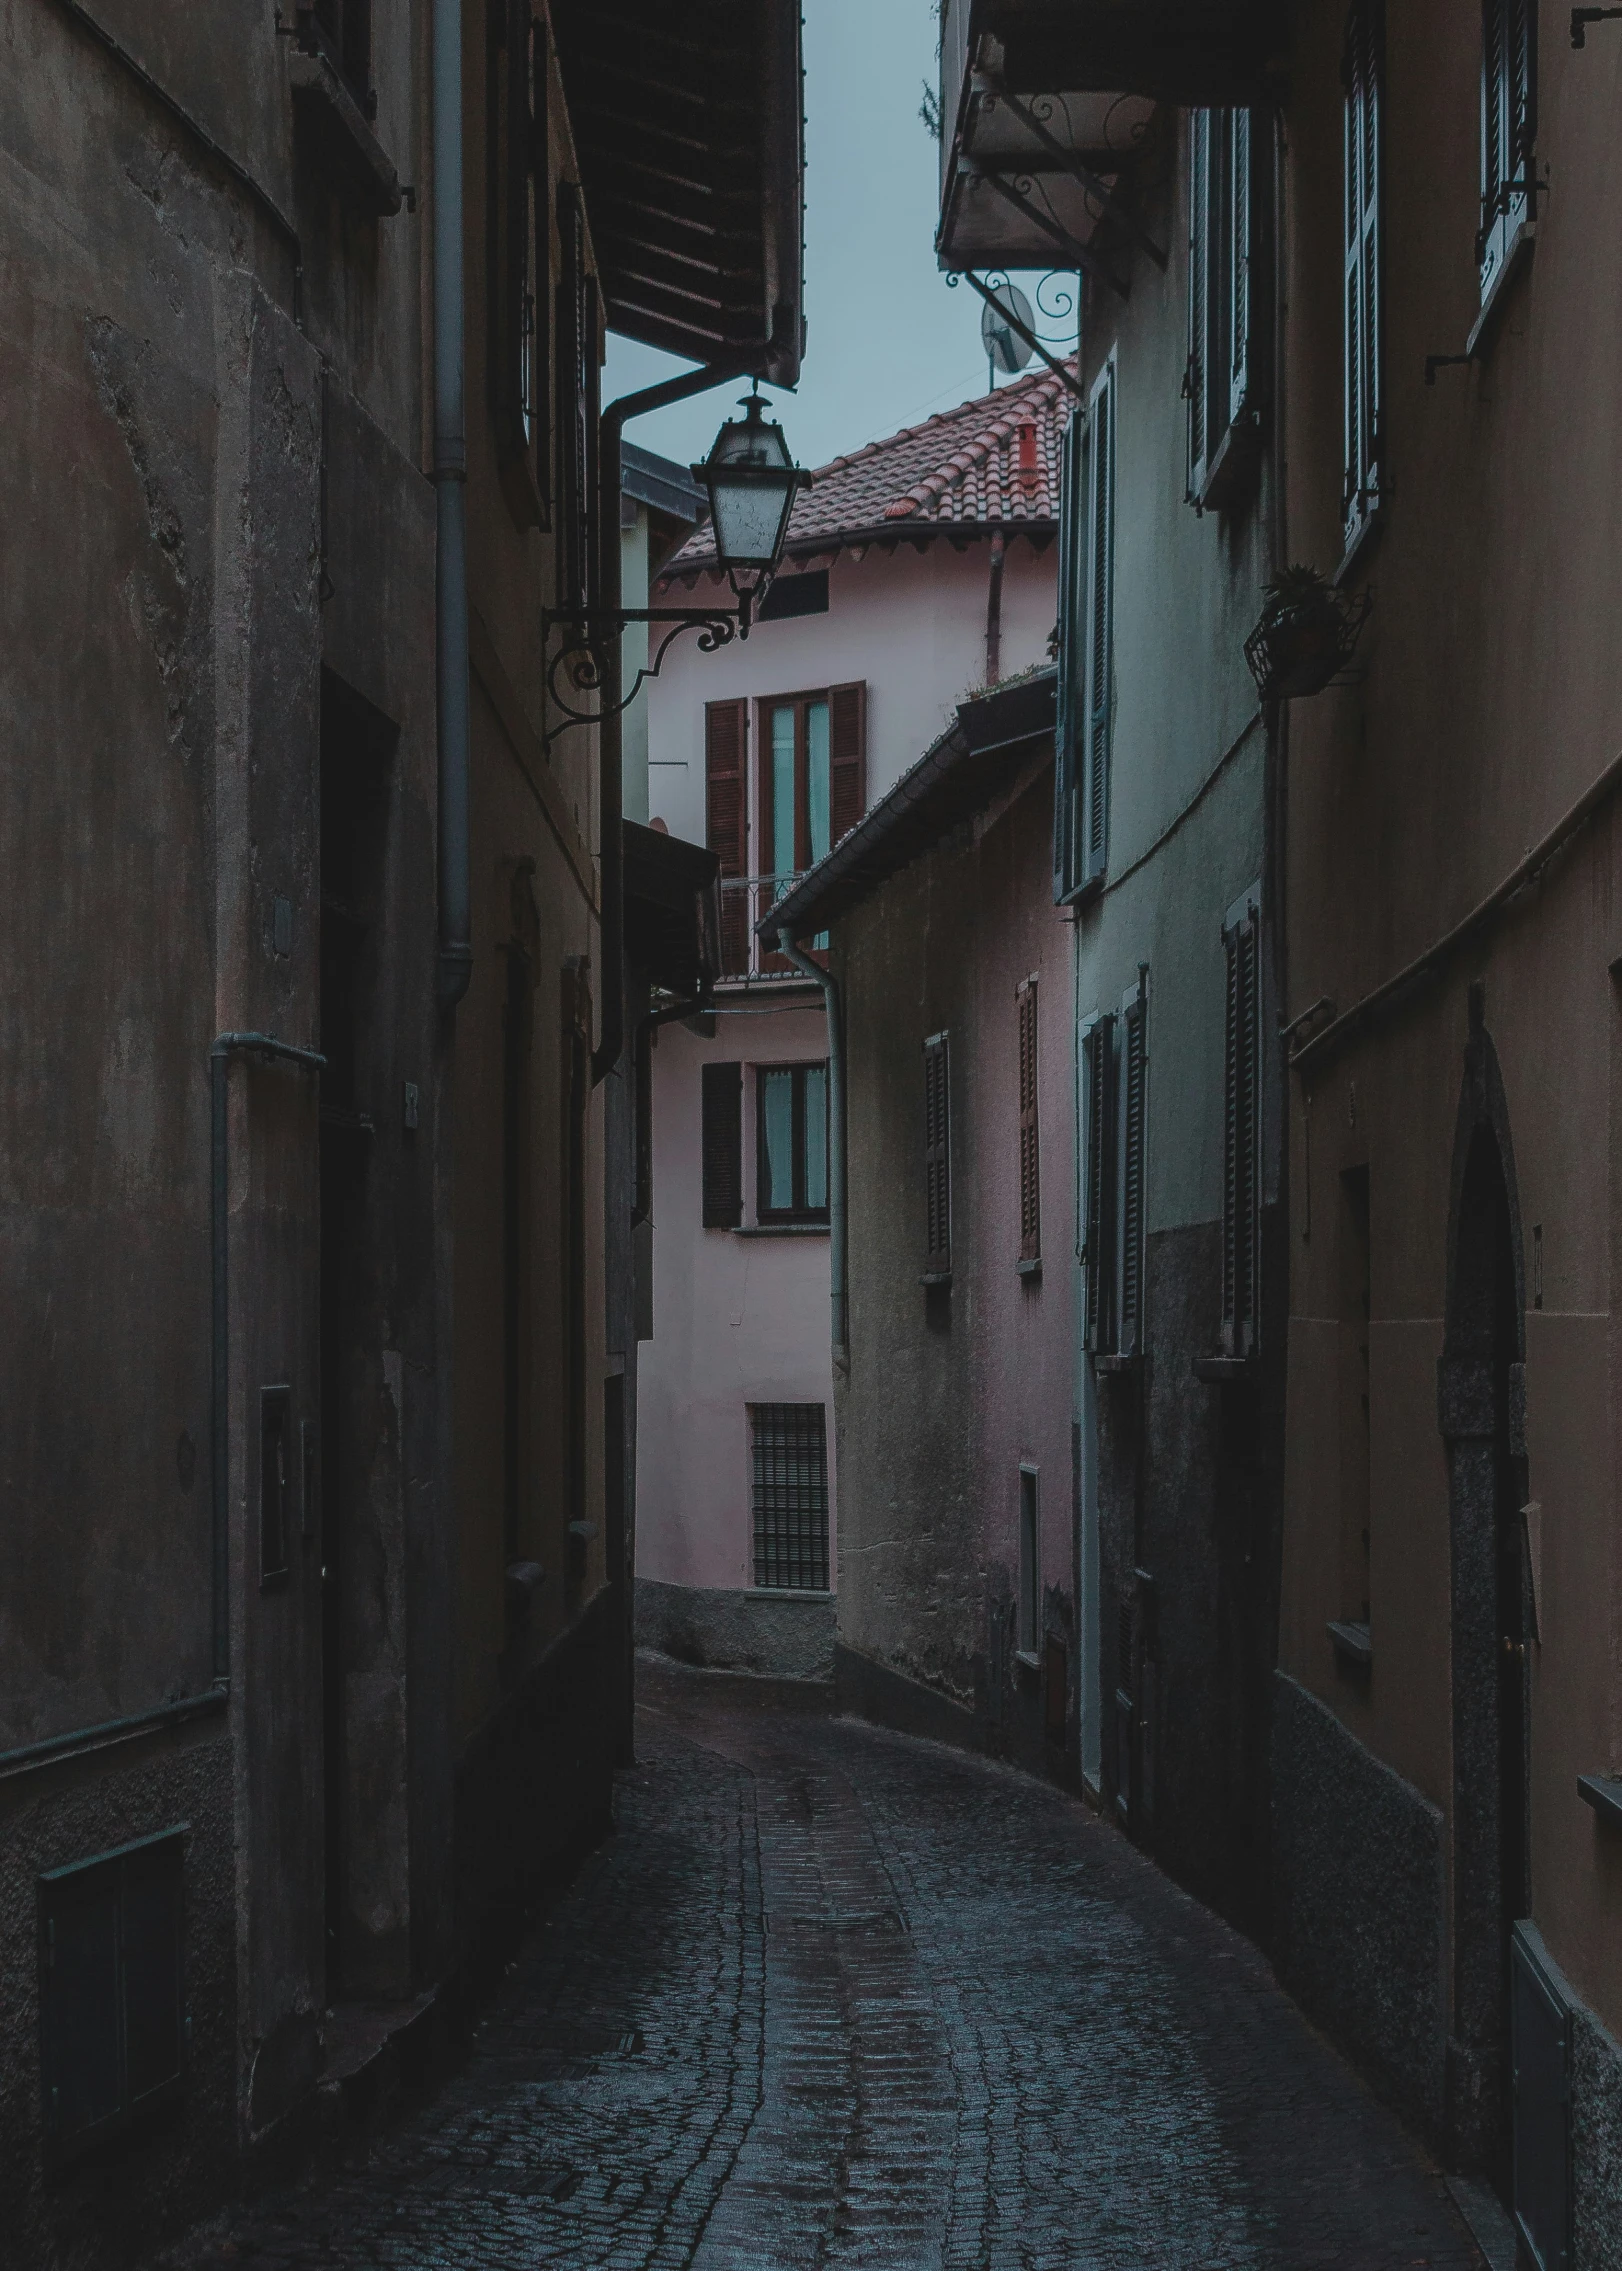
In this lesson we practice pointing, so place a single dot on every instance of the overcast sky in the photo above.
(887, 341)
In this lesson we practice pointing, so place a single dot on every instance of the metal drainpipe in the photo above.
(836, 1144)
(610, 741)
(994, 612)
(455, 962)
(227, 1046)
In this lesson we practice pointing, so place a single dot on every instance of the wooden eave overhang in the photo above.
(688, 133)
(1092, 72)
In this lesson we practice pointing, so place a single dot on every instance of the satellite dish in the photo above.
(1005, 350)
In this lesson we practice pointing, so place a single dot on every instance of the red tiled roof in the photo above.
(991, 463)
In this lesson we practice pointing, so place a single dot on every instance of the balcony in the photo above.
(745, 901)
(1046, 106)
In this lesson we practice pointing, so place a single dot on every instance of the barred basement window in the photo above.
(112, 1990)
(1509, 35)
(1363, 81)
(790, 1453)
(1030, 1162)
(1241, 1138)
(937, 1156)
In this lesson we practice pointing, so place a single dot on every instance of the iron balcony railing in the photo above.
(745, 900)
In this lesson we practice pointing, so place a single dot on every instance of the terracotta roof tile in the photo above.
(992, 462)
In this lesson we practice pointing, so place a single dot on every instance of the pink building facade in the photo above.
(917, 570)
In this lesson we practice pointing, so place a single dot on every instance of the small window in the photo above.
(721, 1145)
(1030, 1158)
(518, 234)
(1363, 79)
(937, 1156)
(1242, 1128)
(1086, 647)
(112, 1991)
(791, 595)
(275, 1482)
(1509, 34)
(791, 1147)
(1030, 1566)
(789, 1451)
(1222, 359)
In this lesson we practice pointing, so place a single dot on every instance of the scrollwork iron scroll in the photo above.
(581, 661)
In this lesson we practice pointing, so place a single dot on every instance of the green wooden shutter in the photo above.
(1098, 1126)
(1241, 1143)
(1197, 375)
(1070, 722)
(1242, 250)
(1130, 1213)
(937, 1154)
(721, 1145)
(1362, 70)
(1100, 625)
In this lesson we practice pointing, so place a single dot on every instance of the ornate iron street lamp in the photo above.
(752, 482)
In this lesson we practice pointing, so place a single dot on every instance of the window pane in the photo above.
(816, 1135)
(777, 1141)
(816, 740)
(780, 852)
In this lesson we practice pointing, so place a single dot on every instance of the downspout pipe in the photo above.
(455, 957)
(610, 739)
(226, 1046)
(836, 1143)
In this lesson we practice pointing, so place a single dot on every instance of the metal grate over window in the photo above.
(790, 1453)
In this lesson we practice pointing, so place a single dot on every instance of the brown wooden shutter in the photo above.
(726, 736)
(937, 1154)
(721, 1145)
(847, 758)
(1030, 1197)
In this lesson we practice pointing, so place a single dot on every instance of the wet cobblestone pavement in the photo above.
(834, 1998)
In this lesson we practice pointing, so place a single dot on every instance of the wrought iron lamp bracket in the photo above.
(582, 658)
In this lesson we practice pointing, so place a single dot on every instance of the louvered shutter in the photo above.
(1100, 629)
(1098, 1123)
(847, 758)
(1241, 1181)
(576, 441)
(726, 734)
(1030, 1189)
(1241, 254)
(1196, 377)
(1134, 1087)
(1508, 126)
(1070, 736)
(721, 1145)
(937, 1154)
(1362, 70)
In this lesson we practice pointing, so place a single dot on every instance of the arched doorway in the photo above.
(1481, 1408)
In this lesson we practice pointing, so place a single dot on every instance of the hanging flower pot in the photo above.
(1307, 634)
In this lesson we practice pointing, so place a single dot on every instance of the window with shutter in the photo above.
(1097, 1183)
(1100, 622)
(1223, 424)
(726, 734)
(1362, 73)
(1508, 128)
(578, 374)
(518, 233)
(1241, 1144)
(847, 758)
(791, 1143)
(1070, 722)
(937, 1156)
(721, 1145)
(1030, 1189)
(1132, 1155)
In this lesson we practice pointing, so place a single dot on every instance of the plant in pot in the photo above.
(1307, 633)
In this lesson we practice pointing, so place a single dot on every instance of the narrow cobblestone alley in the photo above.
(851, 1999)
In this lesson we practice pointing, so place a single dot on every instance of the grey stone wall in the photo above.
(1358, 1858)
(1596, 2144)
(724, 1629)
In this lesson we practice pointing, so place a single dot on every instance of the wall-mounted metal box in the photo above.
(112, 1991)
